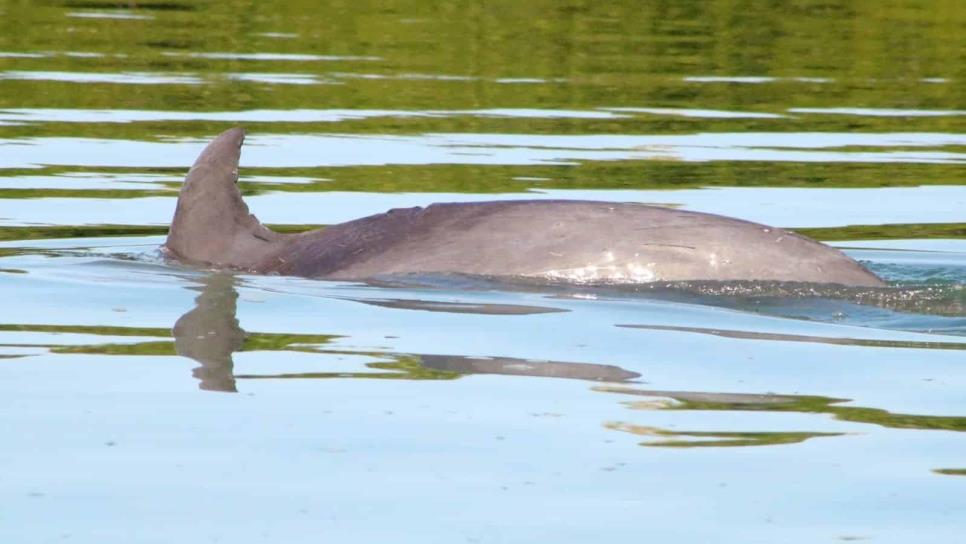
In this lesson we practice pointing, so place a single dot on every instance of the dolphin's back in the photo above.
(575, 241)
(562, 240)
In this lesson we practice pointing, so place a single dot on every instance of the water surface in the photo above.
(151, 402)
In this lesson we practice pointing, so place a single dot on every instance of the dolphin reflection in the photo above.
(510, 366)
(210, 334)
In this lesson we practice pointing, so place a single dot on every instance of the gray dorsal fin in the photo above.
(212, 224)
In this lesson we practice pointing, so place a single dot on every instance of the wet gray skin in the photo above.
(563, 240)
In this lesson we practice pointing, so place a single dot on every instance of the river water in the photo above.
(146, 401)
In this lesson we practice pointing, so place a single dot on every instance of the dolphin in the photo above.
(556, 240)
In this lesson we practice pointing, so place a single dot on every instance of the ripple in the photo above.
(125, 78)
(114, 15)
(417, 77)
(479, 308)
(708, 114)
(279, 35)
(729, 79)
(18, 55)
(509, 366)
(95, 181)
(668, 438)
(276, 150)
(785, 337)
(775, 206)
(753, 79)
(528, 113)
(289, 57)
(279, 79)
(53, 115)
(522, 80)
(809, 404)
(50, 54)
(880, 112)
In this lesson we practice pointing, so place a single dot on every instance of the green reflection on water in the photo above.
(258, 341)
(887, 232)
(78, 193)
(215, 354)
(99, 231)
(139, 348)
(951, 471)
(404, 367)
(543, 55)
(624, 174)
(791, 403)
(873, 53)
(719, 439)
(449, 178)
(100, 330)
(277, 341)
(853, 232)
(80, 231)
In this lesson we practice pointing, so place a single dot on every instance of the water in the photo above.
(145, 401)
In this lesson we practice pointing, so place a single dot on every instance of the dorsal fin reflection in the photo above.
(210, 333)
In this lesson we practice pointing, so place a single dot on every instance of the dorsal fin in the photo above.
(211, 223)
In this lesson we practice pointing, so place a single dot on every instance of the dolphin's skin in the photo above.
(560, 240)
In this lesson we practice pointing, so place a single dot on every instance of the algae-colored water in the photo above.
(144, 401)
